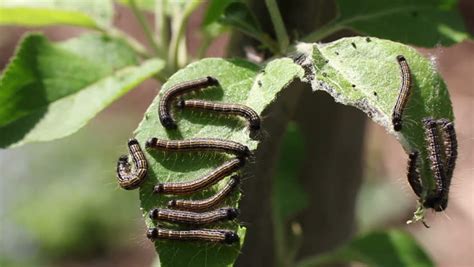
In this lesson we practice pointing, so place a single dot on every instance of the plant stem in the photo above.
(134, 44)
(278, 25)
(161, 24)
(323, 32)
(178, 30)
(204, 46)
(146, 28)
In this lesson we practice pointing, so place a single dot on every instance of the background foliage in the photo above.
(52, 89)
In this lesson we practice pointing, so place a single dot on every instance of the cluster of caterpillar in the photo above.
(183, 211)
(441, 161)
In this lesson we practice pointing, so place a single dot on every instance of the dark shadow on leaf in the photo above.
(17, 130)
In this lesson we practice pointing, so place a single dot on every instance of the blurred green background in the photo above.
(60, 200)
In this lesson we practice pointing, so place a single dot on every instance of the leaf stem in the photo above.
(161, 24)
(323, 32)
(146, 28)
(278, 25)
(204, 46)
(134, 44)
(178, 30)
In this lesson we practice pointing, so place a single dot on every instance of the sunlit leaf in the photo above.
(51, 90)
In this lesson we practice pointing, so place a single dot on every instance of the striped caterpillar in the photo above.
(205, 235)
(208, 203)
(194, 218)
(170, 95)
(131, 179)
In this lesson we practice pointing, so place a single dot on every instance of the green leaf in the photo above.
(289, 195)
(238, 15)
(51, 90)
(388, 249)
(171, 5)
(240, 82)
(148, 5)
(423, 23)
(85, 13)
(215, 9)
(364, 73)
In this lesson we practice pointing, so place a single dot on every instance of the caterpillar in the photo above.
(451, 152)
(183, 188)
(127, 178)
(225, 108)
(197, 144)
(433, 199)
(205, 235)
(403, 95)
(194, 218)
(167, 98)
(208, 203)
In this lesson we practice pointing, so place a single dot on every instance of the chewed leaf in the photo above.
(363, 72)
(239, 82)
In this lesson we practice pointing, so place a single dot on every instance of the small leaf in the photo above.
(425, 23)
(422, 23)
(88, 13)
(214, 11)
(389, 249)
(51, 90)
(364, 73)
(240, 82)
